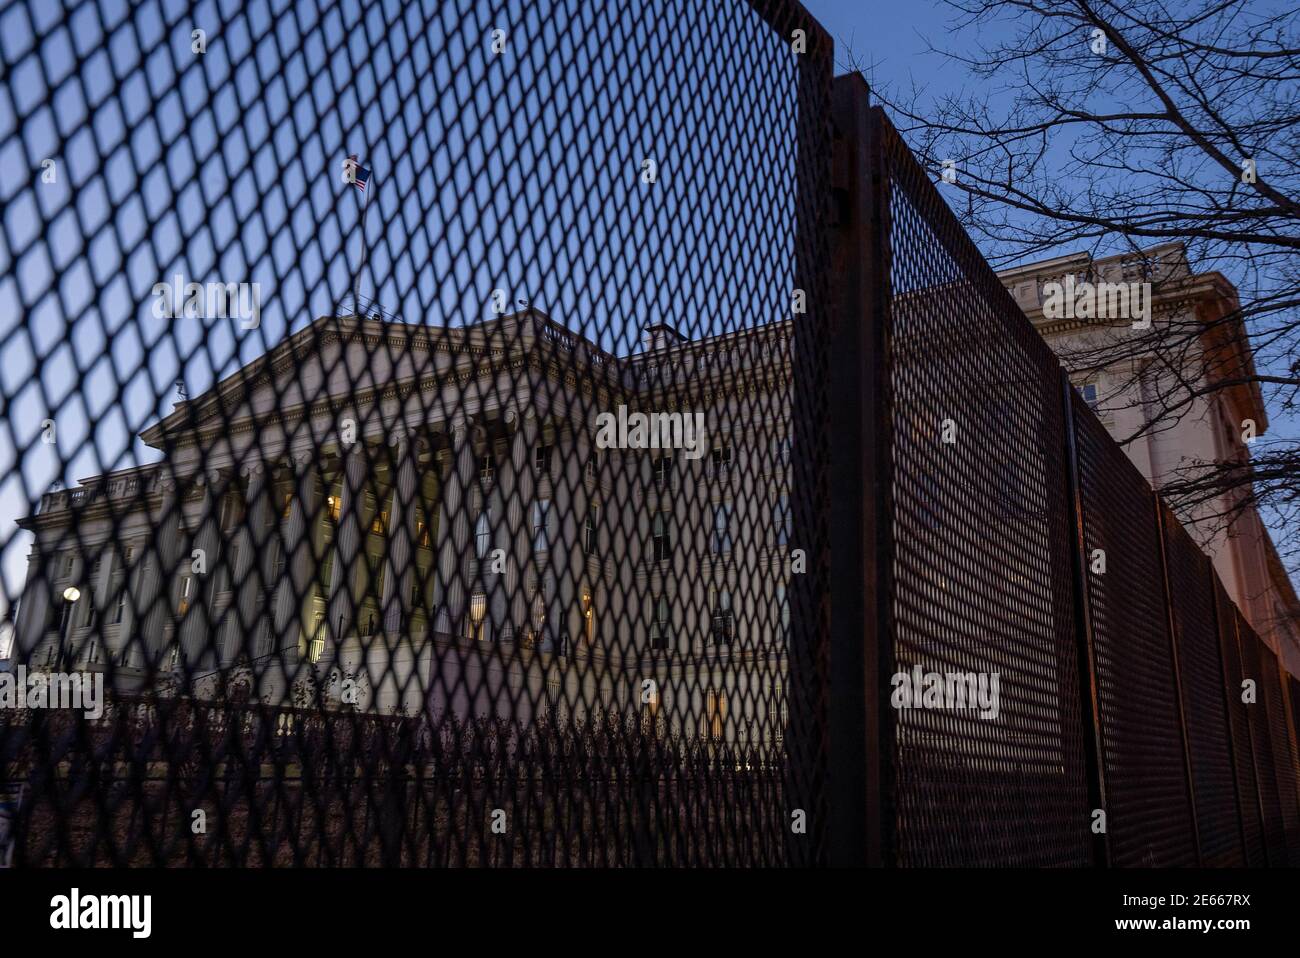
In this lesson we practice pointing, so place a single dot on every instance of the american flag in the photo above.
(360, 175)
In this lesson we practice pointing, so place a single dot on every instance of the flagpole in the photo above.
(365, 205)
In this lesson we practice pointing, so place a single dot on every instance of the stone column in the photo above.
(344, 605)
(131, 576)
(160, 559)
(103, 599)
(244, 625)
(399, 574)
(68, 643)
(34, 610)
(573, 514)
(198, 631)
(296, 580)
(454, 528)
(519, 524)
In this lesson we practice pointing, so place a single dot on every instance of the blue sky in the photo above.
(225, 167)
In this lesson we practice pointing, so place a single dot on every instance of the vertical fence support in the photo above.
(1293, 744)
(860, 728)
(1233, 639)
(805, 734)
(1225, 683)
(1171, 617)
(1089, 706)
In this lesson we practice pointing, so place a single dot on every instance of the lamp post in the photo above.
(70, 596)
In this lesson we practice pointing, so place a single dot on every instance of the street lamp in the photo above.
(70, 595)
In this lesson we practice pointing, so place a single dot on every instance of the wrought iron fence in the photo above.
(593, 501)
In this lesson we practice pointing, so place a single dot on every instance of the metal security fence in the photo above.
(1140, 721)
(1148, 813)
(487, 524)
(593, 442)
(1205, 698)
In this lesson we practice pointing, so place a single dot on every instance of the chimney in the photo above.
(660, 336)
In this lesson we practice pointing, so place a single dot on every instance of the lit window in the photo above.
(589, 539)
(660, 637)
(477, 616)
(332, 506)
(184, 606)
(483, 534)
(715, 714)
(663, 472)
(663, 539)
(721, 542)
(783, 519)
(588, 616)
(542, 458)
(723, 626)
(379, 524)
(720, 460)
(776, 711)
(541, 521)
(539, 612)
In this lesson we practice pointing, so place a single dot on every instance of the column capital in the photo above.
(516, 415)
(299, 461)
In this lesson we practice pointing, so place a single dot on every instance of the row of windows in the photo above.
(721, 538)
(714, 717)
(722, 618)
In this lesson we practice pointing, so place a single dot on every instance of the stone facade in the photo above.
(1128, 385)
(417, 517)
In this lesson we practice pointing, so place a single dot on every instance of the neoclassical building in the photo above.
(1129, 386)
(406, 517)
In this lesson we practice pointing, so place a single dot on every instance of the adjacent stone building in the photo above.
(1125, 374)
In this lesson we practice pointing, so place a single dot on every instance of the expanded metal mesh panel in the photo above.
(1205, 708)
(1243, 746)
(978, 585)
(1255, 660)
(512, 569)
(1284, 757)
(1148, 817)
